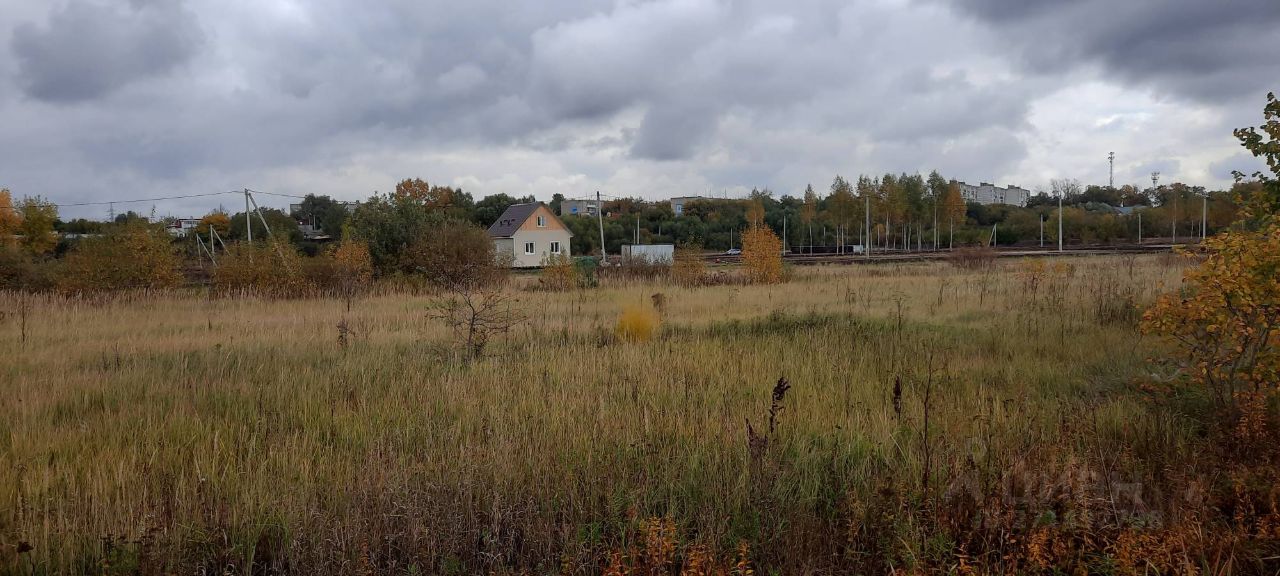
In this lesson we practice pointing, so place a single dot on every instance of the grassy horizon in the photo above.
(173, 432)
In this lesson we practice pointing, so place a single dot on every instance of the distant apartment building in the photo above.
(986, 193)
(577, 208)
(677, 204)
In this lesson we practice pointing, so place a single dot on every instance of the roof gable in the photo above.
(516, 215)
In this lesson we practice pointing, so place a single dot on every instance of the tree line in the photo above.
(892, 211)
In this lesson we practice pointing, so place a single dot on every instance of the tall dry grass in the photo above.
(178, 434)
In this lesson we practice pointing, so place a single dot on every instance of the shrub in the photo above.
(1226, 319)
(449, 253)
(352, 268)
(635, 269)
(129, 255)
(637, 324)
(559, 273)
(18, 271)
(586, 267)
(762, 255)
(271, 268)
(688, 268)
(972, 258)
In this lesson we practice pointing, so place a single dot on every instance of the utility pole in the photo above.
(1060, 222)
(1042, 230)
(248, 228)
(784, 230)
(1204, 217)
(1111, 171)
(1139, 227)
(1173, 208)
(600, 224)
(867, 248)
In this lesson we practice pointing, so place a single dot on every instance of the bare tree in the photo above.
(476, 306)
(1065, 187)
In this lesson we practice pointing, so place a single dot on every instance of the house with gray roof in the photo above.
(529, 234)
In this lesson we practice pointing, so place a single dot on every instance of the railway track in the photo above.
(912, 256)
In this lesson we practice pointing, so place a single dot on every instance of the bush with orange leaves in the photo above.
(762, 255)
(658, 550)
(1225, 320)
(352, 268)
(129, 255)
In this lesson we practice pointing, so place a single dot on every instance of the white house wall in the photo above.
(542, 240)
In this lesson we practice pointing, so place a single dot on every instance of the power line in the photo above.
(110, 202)
(251, 190)
(47, 202)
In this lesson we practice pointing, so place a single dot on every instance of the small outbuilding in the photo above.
(649, 253)
(529, 234)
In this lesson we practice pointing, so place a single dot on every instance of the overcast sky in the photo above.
(119, 99)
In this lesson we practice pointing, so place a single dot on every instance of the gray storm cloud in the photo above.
(88, 50)
(1203, 50)
(155, 98)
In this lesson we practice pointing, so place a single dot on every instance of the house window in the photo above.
(542, 221)
(555, 247)
(528, 247)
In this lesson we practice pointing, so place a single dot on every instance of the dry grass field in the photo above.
(937, 417)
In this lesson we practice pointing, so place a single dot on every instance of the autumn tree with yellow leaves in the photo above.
(352, 268)
(10, 220)
(218, 219)
(762, 255)
(1225, 320)
(36, 218)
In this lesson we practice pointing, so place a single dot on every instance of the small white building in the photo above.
(529, 234)
(182, 226)
(649, 253)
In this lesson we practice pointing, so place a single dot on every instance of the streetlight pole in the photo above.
(1060, 222)
(867, 248)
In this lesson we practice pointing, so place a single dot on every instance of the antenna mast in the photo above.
(1111, 170)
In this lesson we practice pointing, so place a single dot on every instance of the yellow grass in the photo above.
(198, 432)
